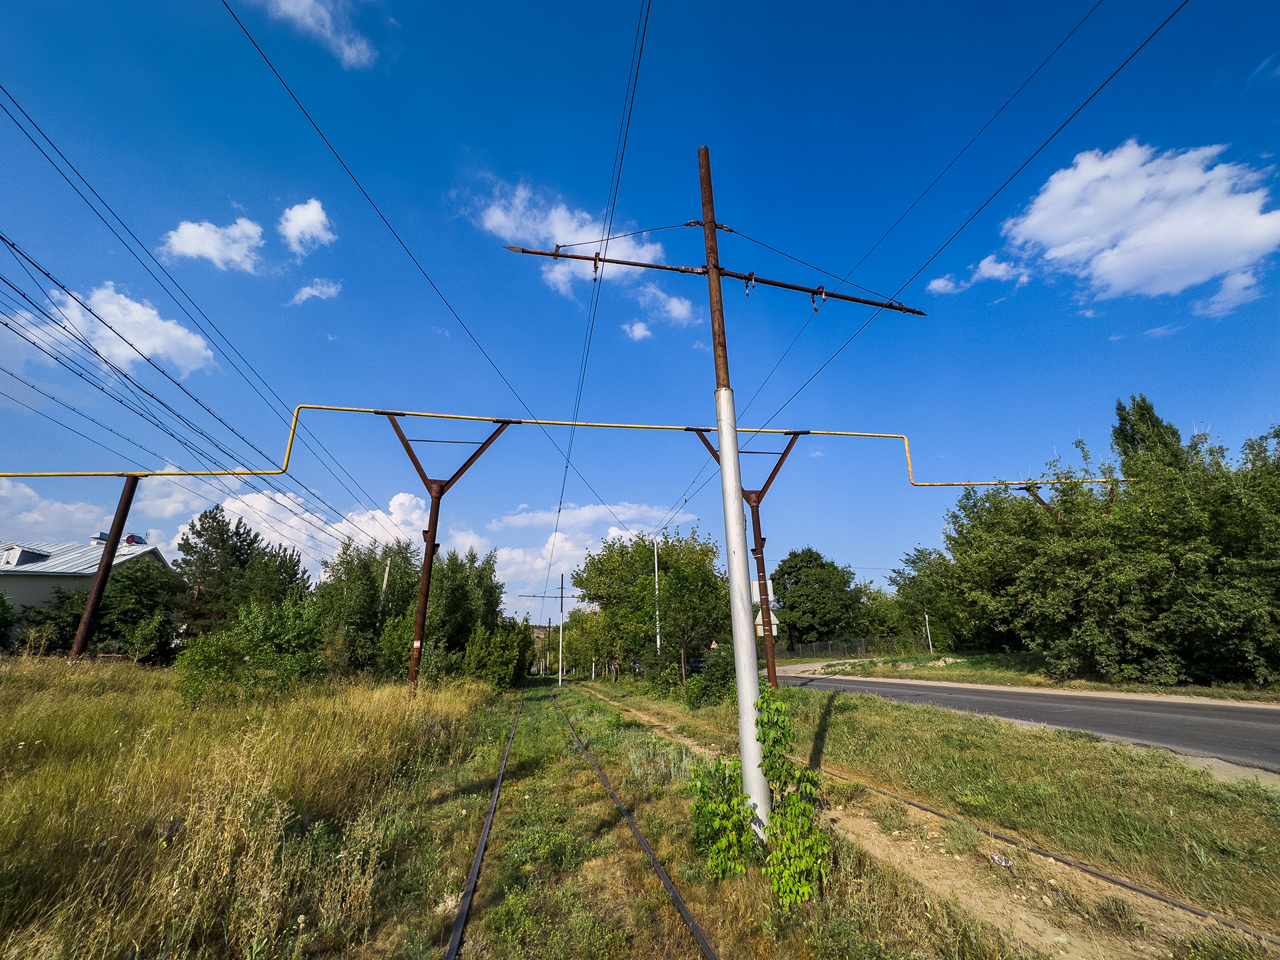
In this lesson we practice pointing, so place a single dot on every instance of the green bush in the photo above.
(721, 830)
(266, 650)
(717, 684)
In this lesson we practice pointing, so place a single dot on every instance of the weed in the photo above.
(1223, 948)
(1118, 914)
(891, 816)
(962, 837)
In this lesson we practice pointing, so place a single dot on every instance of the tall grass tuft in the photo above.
(131, 826)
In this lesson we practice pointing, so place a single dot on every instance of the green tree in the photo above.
(815, 599)
(266, 650)
(352, 608)
(692, 597)
(137, 616)
(8, 620)
(1170, 577)
(229, 566)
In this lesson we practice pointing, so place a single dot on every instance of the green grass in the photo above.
(1138, 813)
(867, 908)
(1018, 670)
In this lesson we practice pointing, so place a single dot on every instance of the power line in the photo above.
(611, 207)
(408, 252)
(134, 386)
(140, 408)
(986, 203)
(151, 256)
(932, 183)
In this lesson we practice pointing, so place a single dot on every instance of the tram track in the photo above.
(468, 896)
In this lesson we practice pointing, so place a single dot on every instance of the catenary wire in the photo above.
(923, 193)
(138, 463)
(611, 207)
(77, 336)
(151, 256)
(623, 236)
(408, 252)
(986, 203)
(206, 459)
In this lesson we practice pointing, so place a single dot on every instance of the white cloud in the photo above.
(236, 245)
(517, 216)
(1237, 288)
(638, 330)
(563, 551)
(138, 322)
(675, 310)
(990, 268)
(329, 22)
(318, 288)
(463, 539)
(574, 517)
(305, 226)
(1134, 221)
(167, 497)
(26, 515)
(1156, 333)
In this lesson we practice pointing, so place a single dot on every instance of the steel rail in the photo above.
(1011, 841)
(469, 891)
(297, 413)
(707, 950)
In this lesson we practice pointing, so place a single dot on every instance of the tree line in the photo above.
(238, 614)
(1168, 574)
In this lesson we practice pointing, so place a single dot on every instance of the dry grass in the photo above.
(1139, 813)
(130, 826)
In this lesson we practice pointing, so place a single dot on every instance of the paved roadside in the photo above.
(1239, 733)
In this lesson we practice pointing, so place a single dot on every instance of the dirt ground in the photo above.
(1035, 901)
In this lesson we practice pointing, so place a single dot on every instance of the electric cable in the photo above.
(138, 463)
(623, 236)
(151, 256)
(21, 255)
(408, 252)
(204, 458)
(986, 203)
(611, 207)
(884, 236)
(78, 336)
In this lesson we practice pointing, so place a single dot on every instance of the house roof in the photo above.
(70, 559)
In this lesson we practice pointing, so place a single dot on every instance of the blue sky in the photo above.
(1136, 253)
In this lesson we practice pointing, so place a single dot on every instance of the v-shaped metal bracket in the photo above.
(754, 499)
(436, 489)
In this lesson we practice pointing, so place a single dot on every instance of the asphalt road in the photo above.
(1241, 734)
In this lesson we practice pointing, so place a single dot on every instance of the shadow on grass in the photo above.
(820, 732)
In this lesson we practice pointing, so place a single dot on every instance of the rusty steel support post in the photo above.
(766, 615)
(84, 632)
(424, 586)
(436, 489)
(754, 499)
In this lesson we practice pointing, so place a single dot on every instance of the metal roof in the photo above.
(72, 559)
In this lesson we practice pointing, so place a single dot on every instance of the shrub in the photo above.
(721, 829)
(716, 684)
(267, 650)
